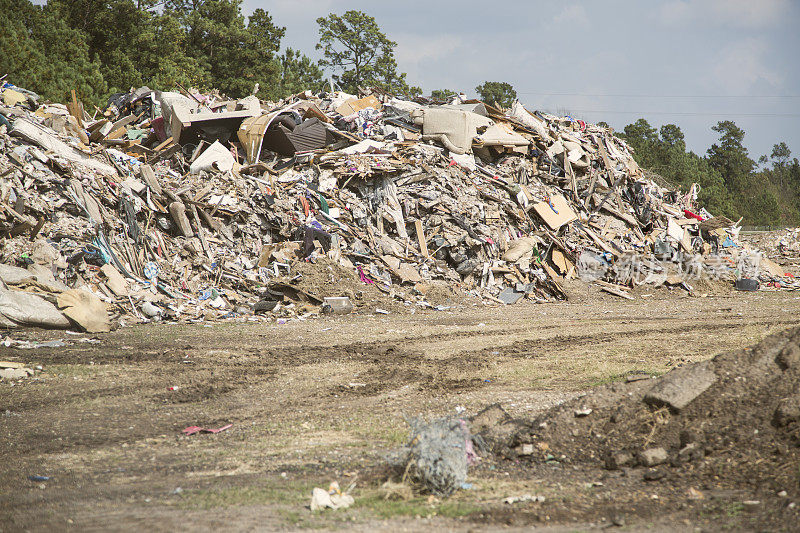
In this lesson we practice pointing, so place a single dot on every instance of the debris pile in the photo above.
(780, 255)
(729, 423)
(437, 455)
(181, 205)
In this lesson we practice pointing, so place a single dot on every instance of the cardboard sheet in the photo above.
(556, 216)
(352, 106)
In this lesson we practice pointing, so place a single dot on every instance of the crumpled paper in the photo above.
(332, 498)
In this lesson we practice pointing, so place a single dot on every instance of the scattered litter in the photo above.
(191, 430)
(12, 370)
(524, 498)
(339, 305)
(333, 498)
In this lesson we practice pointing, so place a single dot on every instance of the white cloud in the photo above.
(291, 8)
(574, 15)
(422, 57)
(674, 13)
(414, 49)
(742, 65)
(729, 13)
(750, 13)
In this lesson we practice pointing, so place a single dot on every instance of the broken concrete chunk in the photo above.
(653, 456)
(15, 373)
(617, 460)
(679, 387)
(510, 296)
(43, 278)
(339, 305)
(654, 474)
(12, 275)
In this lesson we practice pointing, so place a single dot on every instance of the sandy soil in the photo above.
(324, 399)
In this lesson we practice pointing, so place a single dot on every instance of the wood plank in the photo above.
(163, 145)
(149, 177)
(616, 290)
(599, 242)
(75, 109)
(604, 155)
(423, 246)
(119, 132)
(165, 154)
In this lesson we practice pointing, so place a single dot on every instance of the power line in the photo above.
(683, 114)
(667, 95)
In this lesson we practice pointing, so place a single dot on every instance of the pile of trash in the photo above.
(190, 206)
(781, 248)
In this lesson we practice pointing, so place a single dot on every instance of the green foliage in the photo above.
(728, 184)
(497, 92)
(111, 29)
(234, 56)
(443, 94)
(783, 181)
(664, 151)
(102, 46)
(42, 53)
(298, 73)
(780, 155)
(360, 54)
(729, 156)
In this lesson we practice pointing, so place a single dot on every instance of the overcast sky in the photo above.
(688, 62)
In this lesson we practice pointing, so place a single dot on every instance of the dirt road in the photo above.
(322, 400)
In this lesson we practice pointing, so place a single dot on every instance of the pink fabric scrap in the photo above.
(362, 276)
(191, 430)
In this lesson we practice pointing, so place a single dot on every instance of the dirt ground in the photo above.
(323, 399)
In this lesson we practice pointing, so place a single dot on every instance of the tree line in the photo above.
(100, 47)
(763, 192)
